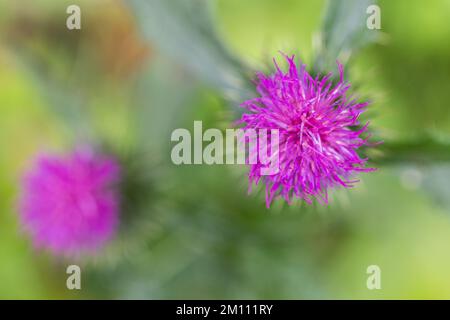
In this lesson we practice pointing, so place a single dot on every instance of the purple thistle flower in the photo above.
(317, 147)
(70, 205)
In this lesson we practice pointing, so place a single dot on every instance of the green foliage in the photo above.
(192, 231)
(185, 31)
(343, 32)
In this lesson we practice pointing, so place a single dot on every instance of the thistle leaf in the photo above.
(184, 30)
(343, 32)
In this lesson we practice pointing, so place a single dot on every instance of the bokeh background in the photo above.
(139, 69)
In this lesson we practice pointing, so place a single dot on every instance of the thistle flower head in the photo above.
(318, 133)
(70, 205)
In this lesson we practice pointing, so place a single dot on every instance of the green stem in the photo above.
(423, 151)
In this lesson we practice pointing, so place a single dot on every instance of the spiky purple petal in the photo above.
(318, 133)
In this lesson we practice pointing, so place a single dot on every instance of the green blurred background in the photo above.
(193, 231)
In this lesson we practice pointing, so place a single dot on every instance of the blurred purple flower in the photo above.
(317, 148)
(70, 205)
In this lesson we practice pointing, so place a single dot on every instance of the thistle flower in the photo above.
(318, 133)
(70, 204)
